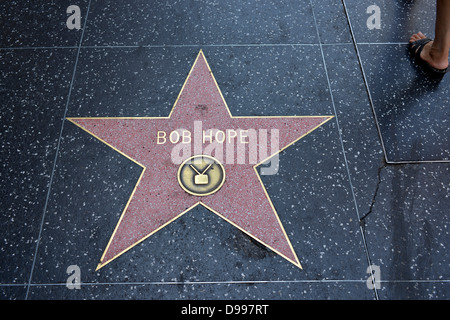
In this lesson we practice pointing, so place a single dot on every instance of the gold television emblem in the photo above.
(201, 175)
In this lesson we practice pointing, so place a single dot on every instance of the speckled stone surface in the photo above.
(364, 154)
(40, 23)
(269, 58)
(411, 214)
(200, 22)
(398, 20)
(34, 86)
(411, 110)
(140, 81)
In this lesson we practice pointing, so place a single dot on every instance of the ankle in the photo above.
(439, 55)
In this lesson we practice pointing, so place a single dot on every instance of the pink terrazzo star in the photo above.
(158, 199)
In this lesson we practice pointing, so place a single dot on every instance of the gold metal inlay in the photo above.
(201, 175)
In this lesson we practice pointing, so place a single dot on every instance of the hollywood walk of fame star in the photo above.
(166, 189)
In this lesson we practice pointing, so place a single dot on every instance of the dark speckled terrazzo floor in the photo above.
(368, 188)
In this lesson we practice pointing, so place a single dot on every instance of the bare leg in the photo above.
(436, 52)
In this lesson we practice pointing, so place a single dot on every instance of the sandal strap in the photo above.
(416, 48)
(439, 71)
(418, 45)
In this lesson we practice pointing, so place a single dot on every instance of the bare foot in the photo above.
(430, 54)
